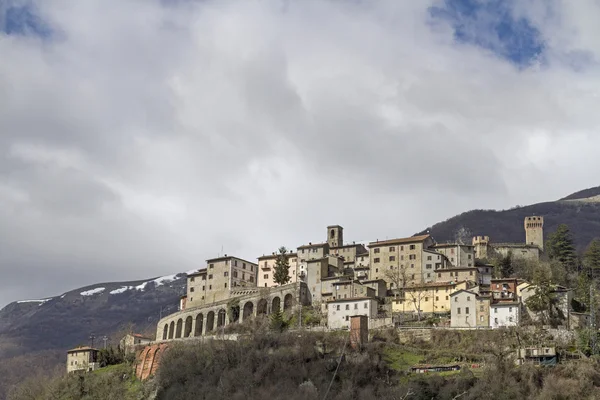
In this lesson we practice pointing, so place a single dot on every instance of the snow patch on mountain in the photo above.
(92, 292)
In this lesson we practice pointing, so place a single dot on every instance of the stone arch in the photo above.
(179, 328)
(287, 302)
(261, 307)
(199, 323)
(172, 330)
(221, 318)
(188, 327)
(166, 332)
(210, 321)
(248, 310)
(276, 305)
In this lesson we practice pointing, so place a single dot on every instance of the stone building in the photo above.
(531, 249)
(221, 275)
(398, 257)
(82, 359)
(133, 341)
(463, 309)
(432, 261)
(458, 255)
(340, 311)
(266, 266)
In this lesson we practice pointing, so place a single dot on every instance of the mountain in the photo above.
(34, 334)
(580, 211)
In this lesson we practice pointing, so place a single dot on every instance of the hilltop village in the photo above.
(390, 283)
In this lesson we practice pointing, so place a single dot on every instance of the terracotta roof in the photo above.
(412, 239)
(271, 256)
(306, 246)
(82, 348)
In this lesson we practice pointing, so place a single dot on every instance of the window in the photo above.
(469, 256)
(266, 276)
(428, 258)
(437, 298)
(412, 257)
(347, 306)
(366, 305)
(412, 265)
(402, 257)
(226, 273)
(466, 310)
(235, 274)
(347, 318)
(243, 265)
(456, 299)
(338, 307)
(428, 275)
(509, 309)
(235, 263)
(392, 248)
(376, 251)
(481, 308)
(251, 267)
(376, 260)
(251, 279)
(426, 299)
(458, 310)
(510, 319)
(225, 285)
(209, 287)
(446, 297)
(412, 246)
(391, 267)
(412, 276)
(203, 288)
(468, 298)
(392, 258)
(451, 251)
(495, 311)
(439, 274)
(192, 280)
(376, 269)
(211, 265)
(428, 266)
(191, 289)
(210, 276)
(243, 275)
(471, 273)
(356, 306)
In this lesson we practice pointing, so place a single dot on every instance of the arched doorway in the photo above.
(166, 331)
(179, 328)
(287, 302)
(234, 315)
(210, 321)
(188, 327)
(199, 322)
(276, 305)
(171, 329)
(248, 310)
(261, 308)
(221, 318)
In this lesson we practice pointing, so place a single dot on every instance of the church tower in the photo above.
(534, 231)
(335, 236)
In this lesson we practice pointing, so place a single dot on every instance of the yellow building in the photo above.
(82, 359)
(266, 266)
(433, 297)
(398, 261)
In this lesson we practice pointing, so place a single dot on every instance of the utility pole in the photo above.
(105, 338)
(593, 330)
(92, 337)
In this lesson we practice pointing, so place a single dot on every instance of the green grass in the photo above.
(401, 358)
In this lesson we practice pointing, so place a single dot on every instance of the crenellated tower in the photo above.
(534, 231)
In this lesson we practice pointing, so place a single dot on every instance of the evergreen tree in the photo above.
(281, 274)
(560, 248)
(591, 259)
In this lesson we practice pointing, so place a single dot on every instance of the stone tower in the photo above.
(534, 231)
(480, 243)
(335, 236)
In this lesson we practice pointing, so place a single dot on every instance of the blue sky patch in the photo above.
(22, 20)
(491, 24)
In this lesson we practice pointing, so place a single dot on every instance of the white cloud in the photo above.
(141, 138)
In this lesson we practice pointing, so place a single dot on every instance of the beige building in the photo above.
(266, 266)
(340, 311)
(82, 359)
(349, 253)
(458, 274)
(463, 309)
(483, 310)
(432, 261)
(398, 261)
(319, 269)
(132, 341)
(344, 287)
(219, 277)
(458, 255)
(433, 297)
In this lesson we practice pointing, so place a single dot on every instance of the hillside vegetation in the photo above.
(315, 366)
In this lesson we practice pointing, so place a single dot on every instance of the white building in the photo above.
(340, 311)
(504, 314)
(463, 309)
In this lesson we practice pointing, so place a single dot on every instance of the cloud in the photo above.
(138, 138)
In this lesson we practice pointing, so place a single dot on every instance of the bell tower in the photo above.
(335, 236)
(534, 231)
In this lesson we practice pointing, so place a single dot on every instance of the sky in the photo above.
(140, 137)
